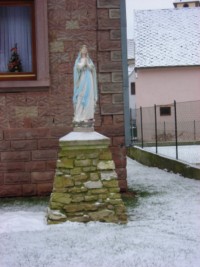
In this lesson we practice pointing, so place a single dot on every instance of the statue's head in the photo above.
(84, 51)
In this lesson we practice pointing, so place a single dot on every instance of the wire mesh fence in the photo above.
(166, 129)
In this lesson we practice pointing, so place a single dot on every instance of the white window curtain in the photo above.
(15, 28)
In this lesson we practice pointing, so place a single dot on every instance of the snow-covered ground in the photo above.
(163, 230)
(190, 154)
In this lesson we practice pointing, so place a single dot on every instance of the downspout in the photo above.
(125, 73)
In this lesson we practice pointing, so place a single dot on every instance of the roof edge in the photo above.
(167, 67)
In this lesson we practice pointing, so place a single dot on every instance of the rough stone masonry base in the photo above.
(85, 183)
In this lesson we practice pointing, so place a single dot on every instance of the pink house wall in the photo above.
(163, 86)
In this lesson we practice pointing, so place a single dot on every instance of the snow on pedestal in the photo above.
(85, 183)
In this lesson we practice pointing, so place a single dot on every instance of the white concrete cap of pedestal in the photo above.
(83, 136)
(77, 139)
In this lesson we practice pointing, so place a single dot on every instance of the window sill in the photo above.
(22, 86)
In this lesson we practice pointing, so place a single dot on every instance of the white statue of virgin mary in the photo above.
(85, 88)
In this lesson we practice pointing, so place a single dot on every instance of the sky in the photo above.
(132, 5)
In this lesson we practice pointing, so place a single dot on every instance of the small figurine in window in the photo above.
(14, 64)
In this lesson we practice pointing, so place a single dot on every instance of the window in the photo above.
(165, 111)
(17, 40)
(36, 77)
(132, 88)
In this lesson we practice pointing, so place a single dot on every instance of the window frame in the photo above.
(23, 75)
(41, 54)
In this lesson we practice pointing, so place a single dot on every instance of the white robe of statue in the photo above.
(85, 88)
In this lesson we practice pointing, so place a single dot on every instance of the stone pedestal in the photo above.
(85, 184)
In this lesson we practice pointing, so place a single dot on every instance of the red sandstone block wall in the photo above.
(32, 122)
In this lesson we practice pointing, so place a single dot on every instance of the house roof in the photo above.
(167, 37)
(130, 49)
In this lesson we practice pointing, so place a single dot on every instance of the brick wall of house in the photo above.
(32, 122)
